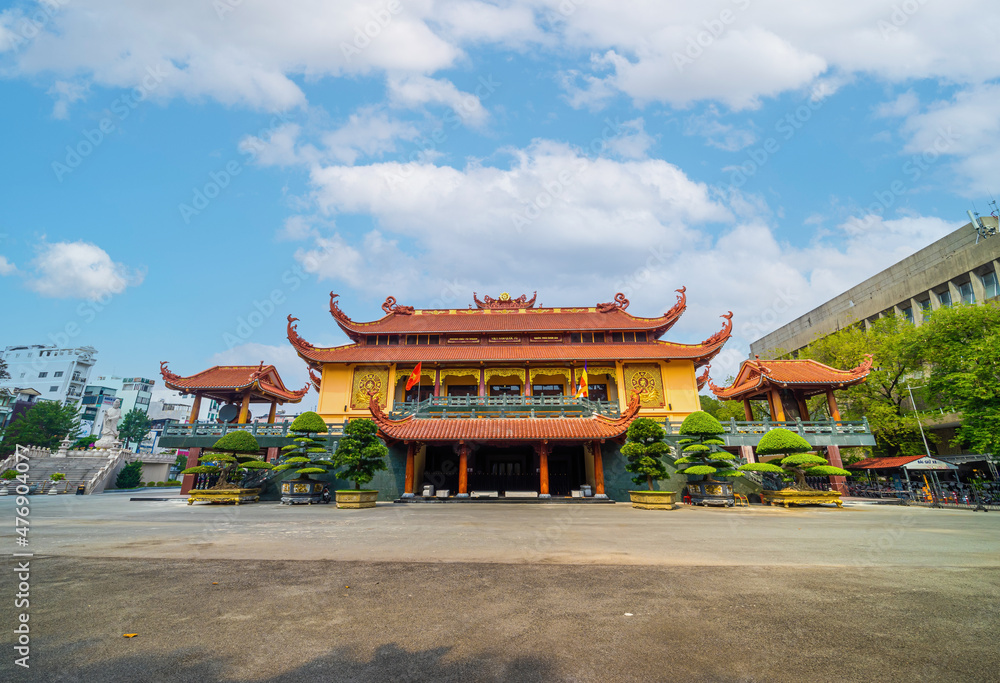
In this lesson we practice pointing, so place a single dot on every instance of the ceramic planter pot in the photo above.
(711, 493)
(235, 496)
(653, 500)
(301, 491)
(353, 499)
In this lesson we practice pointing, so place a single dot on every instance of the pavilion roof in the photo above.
(756, 377)
(510, 315)
(884, 463)
(223, 382)
(524, 429)
(359, 353)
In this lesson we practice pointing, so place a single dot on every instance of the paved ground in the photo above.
(484, 593)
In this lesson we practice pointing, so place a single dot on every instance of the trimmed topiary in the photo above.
(308, 422)
(307, 445)
(702, 448)
(645, 449)
(781, 440)
(236, 450)
(238, 441)
(799, 464)
(57, 476)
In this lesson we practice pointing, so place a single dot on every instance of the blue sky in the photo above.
(426, 150)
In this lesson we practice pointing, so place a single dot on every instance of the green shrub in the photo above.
(308, 422)
(150, 483)
(57, 476)
(159, 483)
(9, 474)
(360, 452)
(172, 482)
(782, 441)
(644, 450)
(238, 441)
(130, 476)
(702, 449)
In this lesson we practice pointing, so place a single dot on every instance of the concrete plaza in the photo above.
(505, 592)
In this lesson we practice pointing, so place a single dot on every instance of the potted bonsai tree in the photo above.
(644, 448)
(705, 460)
(7, 476)
(55, 477)
(236, 452)
(797, 464)
(361, 454)
(301, 456)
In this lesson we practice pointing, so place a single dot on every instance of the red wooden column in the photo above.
(598, 472)
(482, 381)
(463, 470)
(527, 381)
(272, 454)
(543, 470)
(779, 410)
(192, 461)
(747, 410)
(411, 452)
(833, 452)
(437, 381)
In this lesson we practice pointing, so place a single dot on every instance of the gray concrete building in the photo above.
(960, 267)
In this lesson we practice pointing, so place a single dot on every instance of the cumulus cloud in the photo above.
(282, 356)
(79, 270)
(6, 267)
(415, 91)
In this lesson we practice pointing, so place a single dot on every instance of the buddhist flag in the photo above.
(414, 378)
(582, 391)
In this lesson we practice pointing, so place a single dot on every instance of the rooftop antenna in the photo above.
(983, 229)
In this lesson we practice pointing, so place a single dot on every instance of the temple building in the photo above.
(496, 404)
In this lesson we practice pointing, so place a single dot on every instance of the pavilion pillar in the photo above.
(411, 454)
(437, 381)
(192, 461)
(272, 412)
(244, 409)
(195, 409)
(598, 472)
(779, 411)
(527, 381)
(747, 410)
(543, 470)
(803, 408)
(746, 452)
(463, 471)
(272, 454)
(833, 456)
(482, 381)
(831, 402)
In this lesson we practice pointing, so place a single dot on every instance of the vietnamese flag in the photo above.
(414, 378)
(584, 385)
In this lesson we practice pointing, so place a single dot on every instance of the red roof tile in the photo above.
(263, 379)
(883, 463)
(603, 317)
(503, 429)
(757, 376)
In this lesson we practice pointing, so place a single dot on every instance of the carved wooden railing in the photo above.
(802, 427)
(216, 429)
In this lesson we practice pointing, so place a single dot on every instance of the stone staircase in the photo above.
(95, 469)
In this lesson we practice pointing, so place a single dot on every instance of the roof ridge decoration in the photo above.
(865, 367)
(166, 374)
(703, 377)
(335, 311)
(680, 306)
(619, 304)
(390, 306)
(505, 301)
(293, 336)
(631, 410)
(314, 377)
(723, 334)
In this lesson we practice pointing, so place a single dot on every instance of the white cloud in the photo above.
(6, 267)
(291, 368)
(79, 270)
(724, 136)
(368, 132)
(415, 91)
(65, 93)
(632, 140)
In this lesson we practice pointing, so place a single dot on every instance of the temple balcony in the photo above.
(505, 407)
(844, 433)
(205, 434)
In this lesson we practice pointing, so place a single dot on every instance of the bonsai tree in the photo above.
(129, 476)
(798, 464)
(360, 452)
(701, 448)
(644, 448)
(301, 453)
(57, 476)
(235, 451)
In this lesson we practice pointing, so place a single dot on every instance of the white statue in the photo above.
(109, 426)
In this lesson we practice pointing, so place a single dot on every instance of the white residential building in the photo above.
(133, 392)
(59, 374)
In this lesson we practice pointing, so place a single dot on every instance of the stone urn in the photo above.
(354, 499)
(718, 493)
(302, 491)
(653, 500)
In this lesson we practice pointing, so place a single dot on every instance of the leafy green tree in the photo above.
(237, 450)
(84, 442)
(302, 454)
(45, 424)
(963, 345)
(798, 463)
(883, 398)
(644, 448)
(702, 448)
(360, 452)
(4, 373)
(133, 427)
(129, 476)
(723, 411)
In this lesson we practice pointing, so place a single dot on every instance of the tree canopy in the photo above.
(798, 463)
(702, 452)
(302, 454)
(360, 452)
(235, 451)
(45, 424)
(134, 426)
(644, 448)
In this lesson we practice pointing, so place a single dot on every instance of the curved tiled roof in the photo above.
(654, 350)
(220, 379)
(599, 318)
(756, 376)
(435, 429)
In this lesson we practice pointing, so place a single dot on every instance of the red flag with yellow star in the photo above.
(414, 377)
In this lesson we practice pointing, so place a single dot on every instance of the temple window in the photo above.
(616, 337)
(422, 339)
(463, 390)
(505, 390)
(546, 390)
(597, 392)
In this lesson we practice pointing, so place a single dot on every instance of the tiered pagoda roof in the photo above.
(810, 377)
(222, 382)
(435, 429)
(523, 322)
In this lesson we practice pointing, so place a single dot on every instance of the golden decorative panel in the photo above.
(460, 372)
(535, 372)
(505, 372)
(367, 379)
(647, 380)
(602, 370)
(403, 375)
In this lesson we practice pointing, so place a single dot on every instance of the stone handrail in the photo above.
(256, 428)
(505, 406)
(100, 478)
(802, 427)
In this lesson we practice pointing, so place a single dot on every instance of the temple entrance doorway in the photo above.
(441, 469)
(567, 470)
(504, 469)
